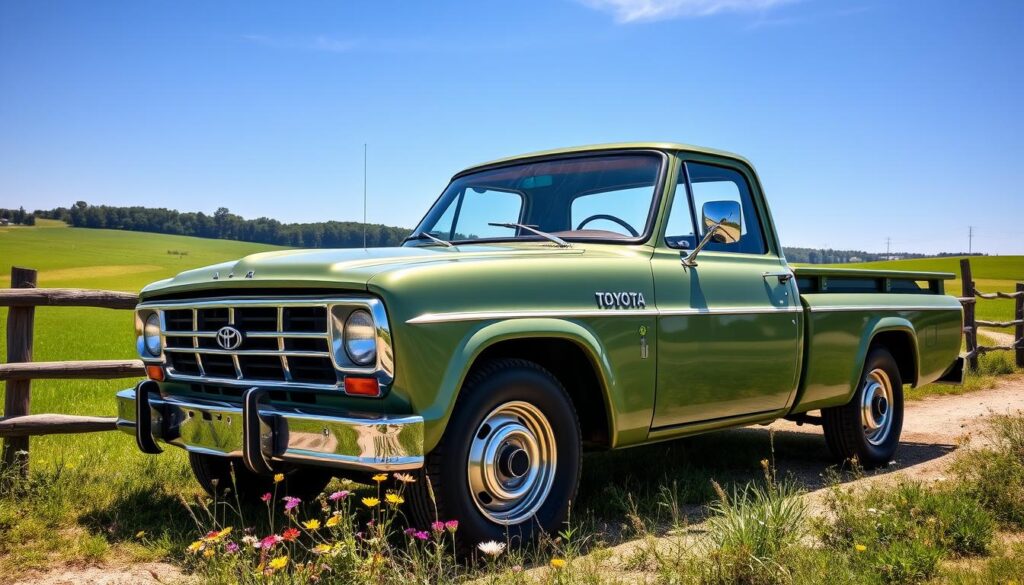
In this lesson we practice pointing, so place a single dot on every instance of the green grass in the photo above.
(990, 273)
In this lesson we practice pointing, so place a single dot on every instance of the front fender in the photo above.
(485, 335)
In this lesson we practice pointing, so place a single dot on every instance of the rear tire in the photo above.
(508, 464)
(868, 427)
(214, 474)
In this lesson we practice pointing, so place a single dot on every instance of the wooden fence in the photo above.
(17, 424)
(969, 299)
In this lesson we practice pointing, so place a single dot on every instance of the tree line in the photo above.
(18, 216)
(225, 225)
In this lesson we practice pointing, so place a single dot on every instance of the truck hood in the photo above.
(349, 268)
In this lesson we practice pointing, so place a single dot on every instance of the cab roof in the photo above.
(665, 146)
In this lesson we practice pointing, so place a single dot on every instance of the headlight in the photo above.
(360, 338)
(151, 335)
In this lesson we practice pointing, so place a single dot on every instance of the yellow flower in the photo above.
(278, 479)
(370, 502)
(312, 524)
(860, 547)
(333, 521)
(380, 477)
(278, 563)
(195, 546)
(140, 534)
(394, 499)
(209, 552)
(558, 563)
(322, 549)
(223, 533)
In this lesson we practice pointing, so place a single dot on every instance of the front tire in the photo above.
(508, 465)
(868, 427)
(214, 474)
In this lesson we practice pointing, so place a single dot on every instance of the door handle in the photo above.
(783, 275)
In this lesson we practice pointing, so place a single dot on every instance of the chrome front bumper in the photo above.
(261, 435)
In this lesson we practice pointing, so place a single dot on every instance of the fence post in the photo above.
(971, 334)
(1018, 315)
(20, 322)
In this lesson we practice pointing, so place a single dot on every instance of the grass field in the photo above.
(90, 495)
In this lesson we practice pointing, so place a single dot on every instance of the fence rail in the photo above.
(17, 424)
(969, 299)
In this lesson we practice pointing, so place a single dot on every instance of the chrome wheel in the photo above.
(512, 460)
(876, 408)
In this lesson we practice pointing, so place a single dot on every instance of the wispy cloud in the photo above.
(321, 43)
(650, 10)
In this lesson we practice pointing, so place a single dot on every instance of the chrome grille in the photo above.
(286, 344)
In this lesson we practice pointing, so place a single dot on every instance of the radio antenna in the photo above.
(364, 196)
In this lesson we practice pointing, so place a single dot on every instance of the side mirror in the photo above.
(721, 224)
(725, 215)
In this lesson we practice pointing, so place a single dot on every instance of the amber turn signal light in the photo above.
(362, 386)
(155, 373)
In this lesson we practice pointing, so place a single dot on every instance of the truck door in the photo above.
(729, 329)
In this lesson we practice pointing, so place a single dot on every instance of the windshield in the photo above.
(607, 197)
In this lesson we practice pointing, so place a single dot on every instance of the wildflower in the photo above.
(140, 534)
(209, 552)
(312, 524)
(333, 521)
(339, 495)
(437, 526)
(266, 497)
(270, 541)
(195, 546)
(491, 548)
(290, 534)
(410, 531)
(405, 478)
(557, 563)
(291, 503)
(278, 478)
(211, 535)
(860, 547)
(421, 535)
(380, 477)
(394, 499)
(452, 525)
(278, 563)
(232, 547)
(371, 502)
(321, 549)
(250, 540)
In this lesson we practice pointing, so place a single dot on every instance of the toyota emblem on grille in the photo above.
(229, 337)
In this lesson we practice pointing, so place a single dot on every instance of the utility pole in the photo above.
(364, 196)
(888, 248)
(970, 239)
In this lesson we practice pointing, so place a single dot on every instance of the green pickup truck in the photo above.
(598, 297)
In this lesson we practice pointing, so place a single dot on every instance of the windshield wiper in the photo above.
(431, 237)
(533, 229)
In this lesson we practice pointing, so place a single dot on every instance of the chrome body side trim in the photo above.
(368, 442)
(837, 308)
(586, 313)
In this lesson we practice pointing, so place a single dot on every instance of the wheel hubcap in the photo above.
(876, 406)
(512, 461)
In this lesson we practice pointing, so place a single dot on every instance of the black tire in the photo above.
(491, 387)
(214, 475)
(848, 435)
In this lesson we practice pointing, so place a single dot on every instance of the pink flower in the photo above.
(232, 547)
(452, 525)
(270, 541)
(338, 495)
(410, 531)
(437, 526)
(266, 497)
(422, 535)
(291, 503)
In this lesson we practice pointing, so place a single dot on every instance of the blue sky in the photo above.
(866, 119)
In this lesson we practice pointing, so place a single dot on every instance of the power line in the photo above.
(888, 247)
(970, 240)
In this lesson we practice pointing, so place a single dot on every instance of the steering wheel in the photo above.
(610, 218)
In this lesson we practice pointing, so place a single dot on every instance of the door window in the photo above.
(713, 183)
